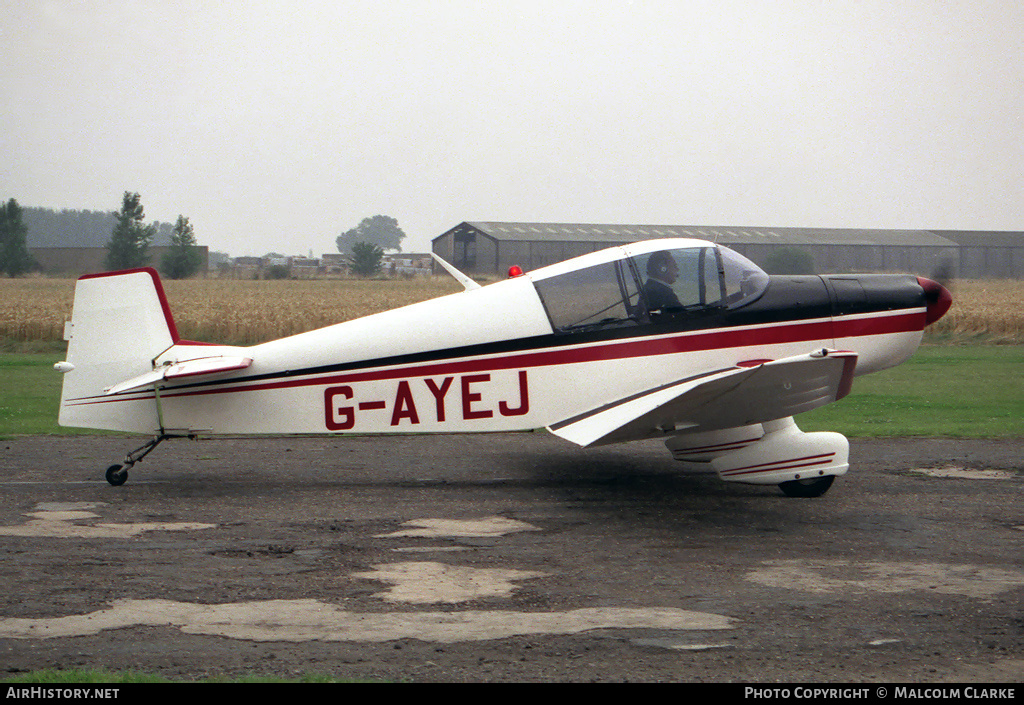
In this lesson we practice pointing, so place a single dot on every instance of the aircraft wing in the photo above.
(188, 368)
(754, 392)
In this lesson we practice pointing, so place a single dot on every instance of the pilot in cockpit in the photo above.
(662, 272)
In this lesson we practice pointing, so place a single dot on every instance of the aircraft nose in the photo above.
(937, 300)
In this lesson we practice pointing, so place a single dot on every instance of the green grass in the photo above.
(29, 394)
(970, 391)
(83, 675)
(92, 675)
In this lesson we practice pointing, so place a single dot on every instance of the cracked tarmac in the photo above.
(504, 557)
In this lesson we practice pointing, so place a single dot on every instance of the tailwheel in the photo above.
(117, 475)
(811, 487)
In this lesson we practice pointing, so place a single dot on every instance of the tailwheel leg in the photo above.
(117, 475)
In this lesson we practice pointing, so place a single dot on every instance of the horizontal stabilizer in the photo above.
(736, 396)
(188, 368)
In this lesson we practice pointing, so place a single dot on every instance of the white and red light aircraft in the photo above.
(678, 339)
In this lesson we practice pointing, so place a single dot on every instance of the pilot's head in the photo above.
(662, 266)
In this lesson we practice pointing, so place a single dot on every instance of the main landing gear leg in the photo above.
(117, 475)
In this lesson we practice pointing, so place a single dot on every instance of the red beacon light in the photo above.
(515, 271)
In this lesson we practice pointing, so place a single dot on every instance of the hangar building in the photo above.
(491, 248)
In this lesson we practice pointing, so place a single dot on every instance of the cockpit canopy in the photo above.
(649, 286)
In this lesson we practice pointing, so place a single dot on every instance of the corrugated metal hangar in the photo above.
(488, 247)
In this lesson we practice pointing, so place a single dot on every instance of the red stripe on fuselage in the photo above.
(878, 324)
(699, 341)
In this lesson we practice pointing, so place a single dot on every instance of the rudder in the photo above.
(120, 323)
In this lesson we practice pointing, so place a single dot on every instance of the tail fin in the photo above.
(119, 324)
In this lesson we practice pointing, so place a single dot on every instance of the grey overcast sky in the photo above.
(278, 125)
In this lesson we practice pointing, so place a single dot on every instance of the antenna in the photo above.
(466, 282)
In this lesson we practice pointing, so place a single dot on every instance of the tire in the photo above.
(813, 487)
(116, 476)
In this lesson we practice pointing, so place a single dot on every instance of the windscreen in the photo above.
(744, 280)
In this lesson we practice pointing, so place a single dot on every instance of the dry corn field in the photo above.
(242, 312)
(231, 311)
(988, 310)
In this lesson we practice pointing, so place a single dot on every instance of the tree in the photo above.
(379, 230)
(183, 258)
(366, 258)
(72, 228)
(789, 260)
(14, 256)
(129, 242)
(277, 271)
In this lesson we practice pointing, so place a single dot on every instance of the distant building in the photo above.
(335, 264)
(247, 267)
(493, 247)
(303, 267)
(76, 261)
(407, 263)
(986, 253)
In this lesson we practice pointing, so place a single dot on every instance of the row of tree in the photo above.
(127, 248)
(131, 237)
(49, 227)
(14, 256)
(129, 243)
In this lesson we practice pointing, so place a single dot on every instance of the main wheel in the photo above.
(116, 476)
(812, 487)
